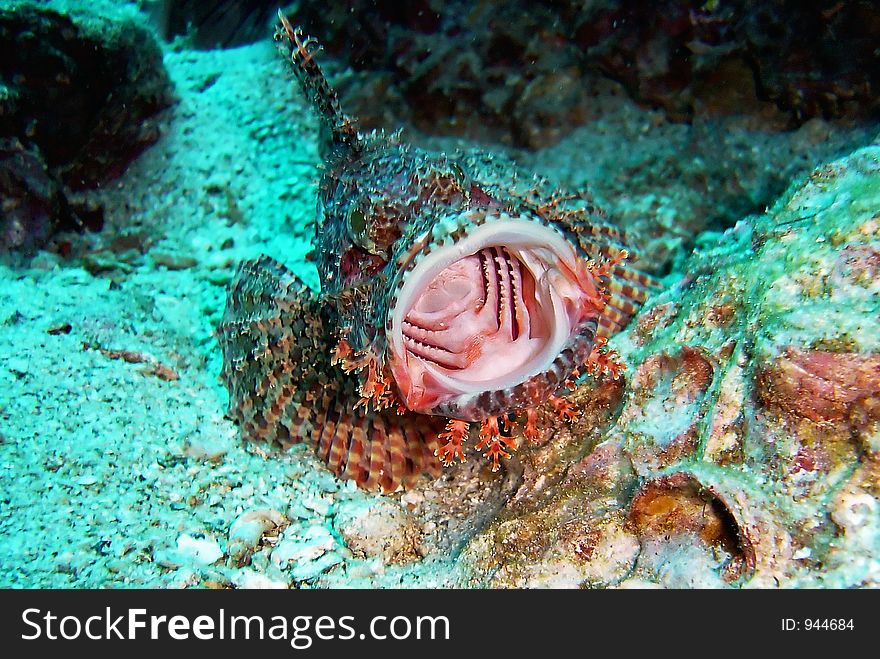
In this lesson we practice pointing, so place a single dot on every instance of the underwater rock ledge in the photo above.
(746, 449)
(79, 96)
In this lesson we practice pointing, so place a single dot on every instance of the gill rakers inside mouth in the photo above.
(486, 312)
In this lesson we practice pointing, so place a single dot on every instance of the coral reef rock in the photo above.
(79, 98)
(744, 449)
(383, 529)
(470, 68)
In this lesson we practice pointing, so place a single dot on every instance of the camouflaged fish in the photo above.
(453, 292)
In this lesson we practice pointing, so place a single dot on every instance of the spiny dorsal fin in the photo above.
(338, 126)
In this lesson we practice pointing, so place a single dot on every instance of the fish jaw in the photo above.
(484, 311)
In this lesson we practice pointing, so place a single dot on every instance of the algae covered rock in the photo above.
(33, 204)
(529, 72)
(79, 99)
(744, 447)
(86, 88)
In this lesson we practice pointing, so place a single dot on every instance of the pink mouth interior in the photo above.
(477, 317)
(489, 320)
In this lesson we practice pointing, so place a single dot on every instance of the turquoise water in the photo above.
(134, 182)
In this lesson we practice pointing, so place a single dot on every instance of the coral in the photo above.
(823, 386)
(733, 523)
(664, 408)
(466, 68)
(744, 449)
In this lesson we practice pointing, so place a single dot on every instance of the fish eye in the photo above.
(357, 225)
(359, 230)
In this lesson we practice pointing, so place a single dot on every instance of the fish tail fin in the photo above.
(378, 450)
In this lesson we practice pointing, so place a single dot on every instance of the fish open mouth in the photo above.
(484, 309)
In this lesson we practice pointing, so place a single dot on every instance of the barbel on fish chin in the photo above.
(454, 290)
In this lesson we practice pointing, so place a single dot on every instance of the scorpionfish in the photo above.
(454, 291)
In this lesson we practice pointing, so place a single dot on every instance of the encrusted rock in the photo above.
(745, 452)
(32, 205)
(79, 99)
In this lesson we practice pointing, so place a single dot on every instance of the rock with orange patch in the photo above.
(823, 386)
(664, 408)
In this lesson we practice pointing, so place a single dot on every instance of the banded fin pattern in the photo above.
(628, 289)
(276, 340)
(338, 127)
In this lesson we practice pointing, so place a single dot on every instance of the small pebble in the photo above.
(197, 551)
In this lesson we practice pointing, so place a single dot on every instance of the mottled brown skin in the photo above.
(308, 367)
